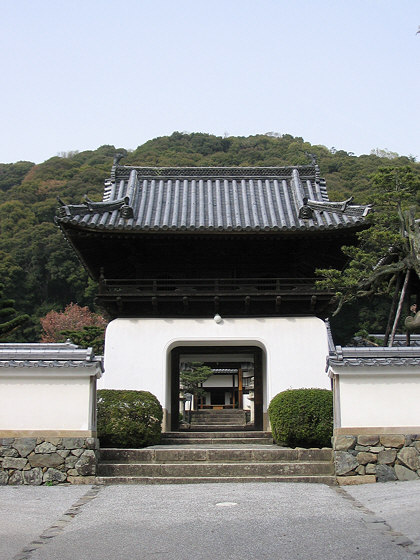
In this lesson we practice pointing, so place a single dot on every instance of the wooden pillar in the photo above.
(240, 389)
(233, 390)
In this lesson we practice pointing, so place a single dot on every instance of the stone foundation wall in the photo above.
(376, 458)
(48, 460)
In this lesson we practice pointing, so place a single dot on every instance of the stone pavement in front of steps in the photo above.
(268, 521)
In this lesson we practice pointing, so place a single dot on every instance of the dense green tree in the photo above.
(41, 273)
(192, 378)
(87, 337)
(10, 320)
(389, 249)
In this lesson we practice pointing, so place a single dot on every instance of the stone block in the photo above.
(77, 451)
(73, 443)
(7, 441)
(45, 447)
(352, 480)
(364, 458)
(8, 452)
(92, 443)
(81, 479)
(409, 456)
(57, 441)
(33, 477)
(417, 445)
(393, 440)
(4, 477)
(16, 478)
(362, 448)
(63, 452)
(387, 457)
(405, 474)
(45, 460)
(368, 440)
(385, 473)
(24, 445)
(344, 443)
(86, 465)
(344, 463)
(377, 449)
(361, 470)
(14, 463)
(70, 461)
(370, 468)
(53, 475)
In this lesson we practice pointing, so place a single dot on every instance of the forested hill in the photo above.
(39, 270)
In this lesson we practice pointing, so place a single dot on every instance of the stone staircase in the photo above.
(217, 420)
(209, 437)
(217, 457)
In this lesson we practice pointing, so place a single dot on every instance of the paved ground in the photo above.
(266, 521)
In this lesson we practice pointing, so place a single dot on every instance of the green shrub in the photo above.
(128, 419)
(302, 417)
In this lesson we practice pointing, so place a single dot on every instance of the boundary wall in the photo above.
(376, 413)
(48, 414)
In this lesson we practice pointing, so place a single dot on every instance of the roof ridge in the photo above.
(218, 199)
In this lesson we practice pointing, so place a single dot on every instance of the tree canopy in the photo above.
(388, 250)
(41, 273)
(76, 323)
(192, 378)
(10, 319)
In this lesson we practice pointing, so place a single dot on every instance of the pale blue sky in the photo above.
(78, 74)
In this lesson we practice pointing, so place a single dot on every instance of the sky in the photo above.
(78, 74)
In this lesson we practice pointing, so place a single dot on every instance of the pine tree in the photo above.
(389, 250)
(9, 317)
(192, 378)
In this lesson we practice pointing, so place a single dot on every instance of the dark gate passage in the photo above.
(210, 352)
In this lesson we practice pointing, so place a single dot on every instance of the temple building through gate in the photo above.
(216, 266)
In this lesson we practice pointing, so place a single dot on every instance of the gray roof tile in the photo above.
(47, 355)
(396, 356)
(214, 199)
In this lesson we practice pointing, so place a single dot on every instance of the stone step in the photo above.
(218, 420)
(216, 441)
(232, 454)
(216, 469)
(212, 437)
(330, 480)
(213, 428)
(226, 411)
(205, 435)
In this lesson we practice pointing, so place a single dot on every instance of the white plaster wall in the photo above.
(137, 351)
(370, 399)
(220, 381)
(53, 402)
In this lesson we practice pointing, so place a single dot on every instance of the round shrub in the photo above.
(128, 419)
(302, 417)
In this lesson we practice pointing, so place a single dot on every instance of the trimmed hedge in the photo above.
(128, 419)
(302, 417)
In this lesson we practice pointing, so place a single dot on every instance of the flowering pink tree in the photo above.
(73, 318)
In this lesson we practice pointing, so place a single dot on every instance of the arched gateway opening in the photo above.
(237, 381)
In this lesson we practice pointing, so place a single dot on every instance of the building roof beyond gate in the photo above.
(214, 199)
(47, 355)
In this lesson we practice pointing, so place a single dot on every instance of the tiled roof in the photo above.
(47, 356)
(399, 356)
(214, 199)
